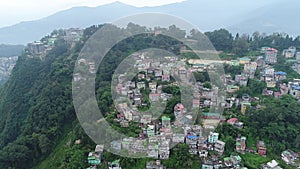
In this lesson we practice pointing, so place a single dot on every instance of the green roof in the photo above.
(246, 103)
(165, 118)
(94, 162)
(116, 162)
(227, 159)
(238, 157)
(211, 114)
(232, 86)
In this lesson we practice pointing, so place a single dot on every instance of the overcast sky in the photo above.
(15, 11)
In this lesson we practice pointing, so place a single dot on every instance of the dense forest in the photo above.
(38, 125)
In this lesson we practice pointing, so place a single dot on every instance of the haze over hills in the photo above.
(238, 16)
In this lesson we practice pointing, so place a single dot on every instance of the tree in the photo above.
(221, 39)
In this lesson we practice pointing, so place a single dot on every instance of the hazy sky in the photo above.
(14, 11)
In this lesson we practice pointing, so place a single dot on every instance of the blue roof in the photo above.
(192, 137)
(280, 73)
(296, 87)
(245, 58)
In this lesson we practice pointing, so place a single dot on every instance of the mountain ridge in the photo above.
(206, 15)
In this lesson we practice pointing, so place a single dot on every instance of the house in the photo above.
(271, 56)
(250, 68)
(164, 150)
(290, 52)
(211, 163)
(178, 138)
(232, 88)
(116, 145)
(280, 75)
(130, 85)
(239, 124)
(267, 92)
(127, 114)
(99, 148)
(94, 158)
(271, 83)
(150, 130)
(196, 103)
(240, 144)
(227, 162)
(269, 71)
(73, 35)
(140, 85)
(203, 153)
(154, 97)
(146, 119)
(182, 71)
(219, 147)
(158, 73)
(234, 63)
(166, 122)
(152, 86)
(298, 56)
(92, 67)
(165, 78)
(232, 121)
(179, 109)
(141, 76)
(150, 71)
(137, 100)
(213, 137)
(115, 165)
(295, 91)
(277, 94)
(242, 80)
(271, 165)
(260, 62)
(264, 49)
(154, 165)
(288, 156)
(235, 159)
(152, 151)
(244, 60)
(124, 123)
(261, 148)
(36, 48)
(244, 106)
(284, 89)
(208, 115)
(78, 77)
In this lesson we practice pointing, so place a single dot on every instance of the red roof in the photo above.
(180, 106)
(232, 120)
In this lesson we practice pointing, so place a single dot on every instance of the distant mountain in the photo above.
(207, 15)
(276, 17)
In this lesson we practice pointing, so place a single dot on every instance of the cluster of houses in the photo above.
(158, 136)
(41, 48)
(6, 66)
(291, 158)
(95, 157)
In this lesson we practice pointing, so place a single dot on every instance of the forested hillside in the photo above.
(38, 125)
(36, 106)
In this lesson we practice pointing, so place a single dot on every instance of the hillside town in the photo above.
(6, 66)
(157, 136)
(154, 84)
